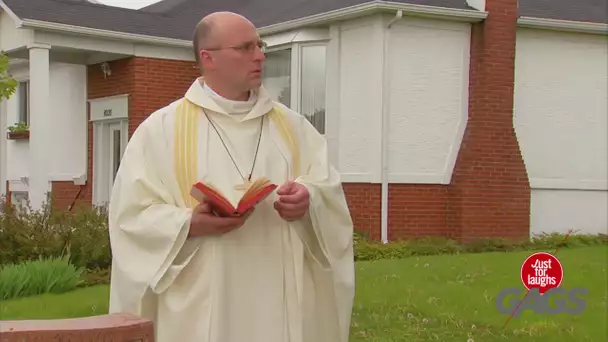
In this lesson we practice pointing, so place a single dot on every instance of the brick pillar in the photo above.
(490, 195)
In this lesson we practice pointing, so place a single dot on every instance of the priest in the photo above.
(281, 272)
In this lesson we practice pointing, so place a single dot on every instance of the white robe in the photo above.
(268, 281)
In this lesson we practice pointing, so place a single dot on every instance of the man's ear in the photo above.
(206, 60)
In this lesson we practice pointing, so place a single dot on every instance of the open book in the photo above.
(257, 192)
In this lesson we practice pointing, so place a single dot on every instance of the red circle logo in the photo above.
(542, 271)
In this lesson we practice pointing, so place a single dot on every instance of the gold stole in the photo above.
(185, 145)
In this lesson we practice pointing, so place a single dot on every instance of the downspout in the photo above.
(385, 98)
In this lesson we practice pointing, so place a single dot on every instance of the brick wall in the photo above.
(489, 195)
(151, 84)
(113, 327)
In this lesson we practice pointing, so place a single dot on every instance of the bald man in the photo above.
(280, 272)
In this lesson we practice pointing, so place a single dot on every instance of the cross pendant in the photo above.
(244, 186)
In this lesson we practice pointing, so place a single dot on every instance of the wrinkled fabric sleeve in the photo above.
(148, 226)
(327, 229)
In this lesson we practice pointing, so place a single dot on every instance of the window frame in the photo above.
(28, 109)
(296, 41)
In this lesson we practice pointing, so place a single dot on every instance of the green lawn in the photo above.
(435, 298)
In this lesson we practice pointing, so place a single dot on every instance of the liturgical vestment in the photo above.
(268, 281)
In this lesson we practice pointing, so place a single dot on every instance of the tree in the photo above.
(8, 85)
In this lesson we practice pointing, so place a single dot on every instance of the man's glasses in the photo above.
(248, 47)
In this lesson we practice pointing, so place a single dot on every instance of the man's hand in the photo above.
(204, 222)
(293, 201)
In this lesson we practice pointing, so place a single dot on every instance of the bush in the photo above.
(373, 250)
(81, 235)
(55, 275)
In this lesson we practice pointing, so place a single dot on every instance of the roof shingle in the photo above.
(177, 18)
(577, 10)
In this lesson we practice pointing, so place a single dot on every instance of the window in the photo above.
(312, 85)
(19, 198)
(295, 77)
(277, 76)
(24, 102)
(116, 151)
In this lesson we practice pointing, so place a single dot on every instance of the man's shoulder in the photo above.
(293, 116)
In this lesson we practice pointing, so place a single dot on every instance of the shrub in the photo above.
(373, 250)
(27, 234)
(54, 275)
(82, 236)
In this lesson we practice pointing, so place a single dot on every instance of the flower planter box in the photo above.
(20, 135)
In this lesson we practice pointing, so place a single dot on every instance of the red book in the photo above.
(255, 193)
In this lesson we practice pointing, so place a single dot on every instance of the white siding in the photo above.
(360, 99)
(66, 141)
(424, 89)
(428, 98)
(561, 120)
(10, 36)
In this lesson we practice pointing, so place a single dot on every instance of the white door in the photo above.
(117, 142)
(109, 145)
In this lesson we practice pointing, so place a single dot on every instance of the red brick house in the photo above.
(451, 118)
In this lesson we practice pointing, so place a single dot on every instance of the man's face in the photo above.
(237, 59)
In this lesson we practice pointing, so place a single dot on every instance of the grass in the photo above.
(421, 298)
(33, 277)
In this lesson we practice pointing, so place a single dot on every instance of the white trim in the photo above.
(66, 177)
(3, 145)
(18, 63)
(86, 31)
(322, 18)
(568, 184)
(356, 178)
(417, 178)
(297, 36)
(107, 97)
(332, 94)
(372, 6)
(563, 25)
(296, 68)
(16, 19)
(38, 46)
(102, 156)
(463, 121)
(122, 108)
(18, 185)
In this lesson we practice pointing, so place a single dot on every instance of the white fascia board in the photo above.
(563, 25)
(374, 6)
(10, 13)
(131, 37)
(323, 18)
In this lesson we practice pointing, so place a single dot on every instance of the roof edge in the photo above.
(339, 14)
(99, 33)
(563, 25)
(10, 13)
(373, 6)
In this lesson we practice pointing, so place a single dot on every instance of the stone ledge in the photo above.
(106, 328)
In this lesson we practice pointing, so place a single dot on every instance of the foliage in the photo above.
(8, 85)
(53, 275)
(449, 298)
(81, 235)
(19, 127)
(373, 250)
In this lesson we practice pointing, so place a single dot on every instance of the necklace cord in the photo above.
(255, 157)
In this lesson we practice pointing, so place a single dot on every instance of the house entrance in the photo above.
(110, 136)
